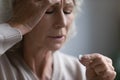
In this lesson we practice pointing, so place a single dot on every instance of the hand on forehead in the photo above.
(41, 2)
(54, 1)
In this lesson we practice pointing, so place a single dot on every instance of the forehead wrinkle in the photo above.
(63, 3)
(58, 4)
(68, 2)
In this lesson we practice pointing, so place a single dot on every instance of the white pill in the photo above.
(79, 57)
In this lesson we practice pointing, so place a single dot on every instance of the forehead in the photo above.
(64, 3)
(67, 1)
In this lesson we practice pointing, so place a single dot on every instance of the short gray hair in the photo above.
(78, 4)
(72, 32)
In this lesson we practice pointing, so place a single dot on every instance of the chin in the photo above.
(55, 47)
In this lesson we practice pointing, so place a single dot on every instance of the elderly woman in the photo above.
(45, 26)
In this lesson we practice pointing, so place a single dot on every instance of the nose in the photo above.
(61, 20)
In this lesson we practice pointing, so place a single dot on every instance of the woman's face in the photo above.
(51, 32)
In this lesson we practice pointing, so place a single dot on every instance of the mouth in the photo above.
(57, 38)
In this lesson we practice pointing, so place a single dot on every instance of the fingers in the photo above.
(101, 65)
(86, 60)
(28, 13)
(108, 75)
(46, 2)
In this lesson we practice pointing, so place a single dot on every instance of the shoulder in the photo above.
(70, 65)
(68, 59)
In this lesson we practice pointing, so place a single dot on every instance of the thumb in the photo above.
(85, 60)
(90, 73)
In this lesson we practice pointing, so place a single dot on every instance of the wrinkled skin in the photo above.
(27, 13)
(98, 67)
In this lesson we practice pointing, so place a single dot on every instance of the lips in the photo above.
(60, 37)
(55, 36)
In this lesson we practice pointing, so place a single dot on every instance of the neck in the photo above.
(39, 60)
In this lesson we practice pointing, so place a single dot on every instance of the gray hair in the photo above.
(72, 32)
(78, 4)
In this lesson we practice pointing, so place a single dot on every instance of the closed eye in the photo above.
(50, 10)
(67, 11)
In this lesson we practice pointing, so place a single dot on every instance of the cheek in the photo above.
(40, 30)
(70, 21)
(44, 25)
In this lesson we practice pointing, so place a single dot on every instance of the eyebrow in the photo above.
(70, 3)
(57, 4)
(66, 4)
